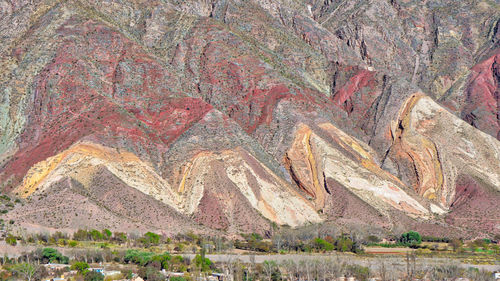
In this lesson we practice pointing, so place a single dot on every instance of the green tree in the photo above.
(81, 235)
(322, 245)
(95, 235)
(344, 244)
(80, 266)
(26, 270)
(53, 256)
(163, 260)
(138, 257)
(411, 238)
(106, 234)
(202, 263)
(150, 239)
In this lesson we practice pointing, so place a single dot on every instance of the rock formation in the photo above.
(230, 116)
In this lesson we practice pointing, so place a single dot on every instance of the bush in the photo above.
(423, 252)
(344, 244)
(93, 276)
(456, 244)
(179, 247)
(80, 266)
(120, 237)
(203, 263)
(150, 274)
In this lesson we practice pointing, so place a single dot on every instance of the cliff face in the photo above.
(230, 115)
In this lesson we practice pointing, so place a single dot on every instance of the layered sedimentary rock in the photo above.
(229, 116)
(440, 147)
(350, 165)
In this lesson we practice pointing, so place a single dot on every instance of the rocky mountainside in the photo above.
(230, 116)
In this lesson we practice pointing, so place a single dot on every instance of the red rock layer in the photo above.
(101, 85)
(482, 104)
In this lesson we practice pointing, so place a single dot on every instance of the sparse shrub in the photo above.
(81, 235)
(11, 240)
(179, 247)
(358, 271)
(93, 276)
(120, 237)
(373, 239)
(456, 244)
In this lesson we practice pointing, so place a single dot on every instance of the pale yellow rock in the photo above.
(275, 199)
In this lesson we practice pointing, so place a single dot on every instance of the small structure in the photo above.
(496, 275)
(55, 269)
(110, 272)
(97, 269)
(219, 276)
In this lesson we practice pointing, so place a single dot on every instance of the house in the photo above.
(496, 275)
(55, 266)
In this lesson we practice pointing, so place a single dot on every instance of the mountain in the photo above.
(230, 116)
